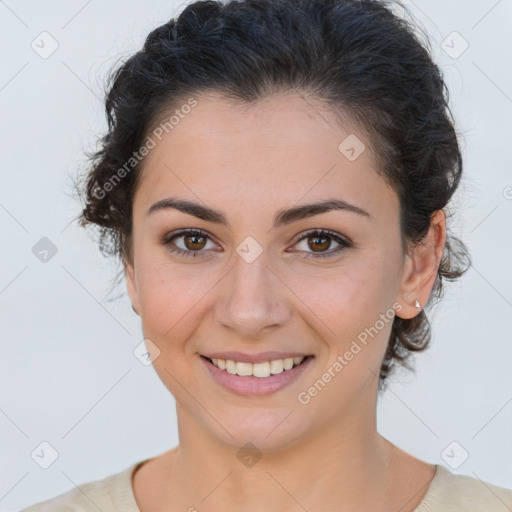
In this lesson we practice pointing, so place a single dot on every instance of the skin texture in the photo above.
(251, 161)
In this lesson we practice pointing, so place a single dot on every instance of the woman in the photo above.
(274, 180)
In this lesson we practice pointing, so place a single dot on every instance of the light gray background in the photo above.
(67, 372)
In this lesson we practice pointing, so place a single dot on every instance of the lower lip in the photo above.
(256, 385)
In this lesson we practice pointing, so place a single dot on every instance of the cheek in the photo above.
(345, 297)
(170, 300)
(354, 306)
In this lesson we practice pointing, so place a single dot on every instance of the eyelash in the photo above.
(343, 243)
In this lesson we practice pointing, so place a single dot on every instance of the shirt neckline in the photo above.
(124, 496)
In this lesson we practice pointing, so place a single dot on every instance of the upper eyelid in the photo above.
(325, 231)
(184, 232)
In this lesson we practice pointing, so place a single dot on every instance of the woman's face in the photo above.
(257, 279)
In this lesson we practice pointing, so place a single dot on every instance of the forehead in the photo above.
(283, 149)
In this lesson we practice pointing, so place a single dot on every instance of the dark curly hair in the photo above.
(357, 56)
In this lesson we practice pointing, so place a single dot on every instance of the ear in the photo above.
(420, 267)
(131, 284)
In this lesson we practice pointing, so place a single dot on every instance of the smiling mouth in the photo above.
(267, 369)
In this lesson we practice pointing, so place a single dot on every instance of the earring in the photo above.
(417, 304)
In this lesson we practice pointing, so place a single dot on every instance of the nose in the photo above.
(252, 299)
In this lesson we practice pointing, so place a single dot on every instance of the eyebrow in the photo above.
(284, 217)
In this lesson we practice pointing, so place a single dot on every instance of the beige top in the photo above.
(447, 492)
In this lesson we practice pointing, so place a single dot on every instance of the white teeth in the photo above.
(276, 366)
(231, 367)
(288, 363)
(244, 369)
(260, 369)
(257, 369)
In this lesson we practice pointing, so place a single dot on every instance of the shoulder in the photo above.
(449, 492)
(108, 494)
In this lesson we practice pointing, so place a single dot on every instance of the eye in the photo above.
(187, 242)
(191, 242)
(319, 240)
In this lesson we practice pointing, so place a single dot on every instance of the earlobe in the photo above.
(421, 267)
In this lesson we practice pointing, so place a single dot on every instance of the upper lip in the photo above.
(260, 357)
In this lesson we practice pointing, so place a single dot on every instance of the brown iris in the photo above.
(325, 241)
(195, 245)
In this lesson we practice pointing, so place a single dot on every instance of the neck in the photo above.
(340, 466)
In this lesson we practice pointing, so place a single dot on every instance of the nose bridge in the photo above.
(252, 296)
